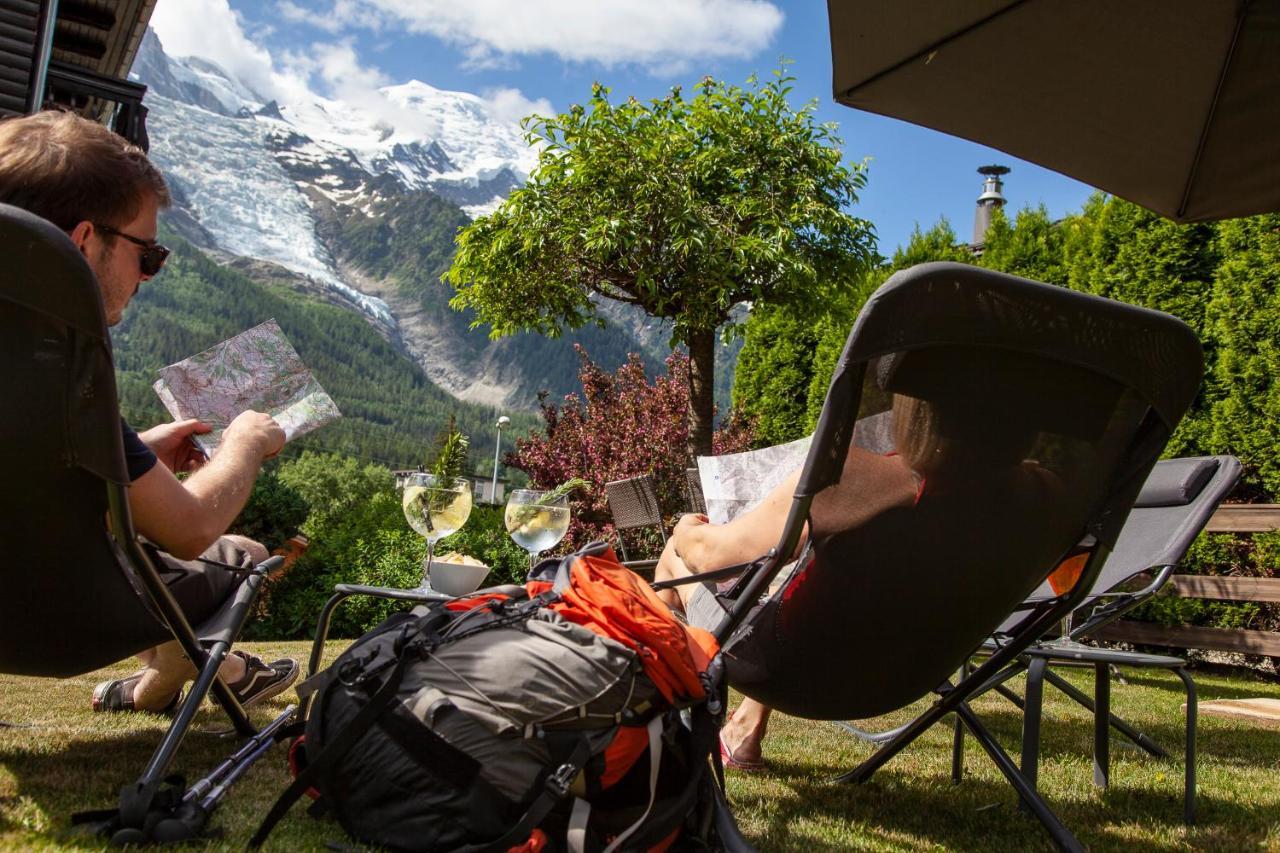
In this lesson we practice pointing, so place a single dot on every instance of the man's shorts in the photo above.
(200, 589)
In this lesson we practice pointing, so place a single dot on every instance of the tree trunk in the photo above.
(702, 371)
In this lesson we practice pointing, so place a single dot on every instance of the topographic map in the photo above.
(735, 482)
(258, 370)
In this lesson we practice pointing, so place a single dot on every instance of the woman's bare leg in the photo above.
(743, 734)
(671, 567)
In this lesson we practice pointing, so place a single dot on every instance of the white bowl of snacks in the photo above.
(456, 574)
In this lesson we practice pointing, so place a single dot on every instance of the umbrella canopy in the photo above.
(1172, 104)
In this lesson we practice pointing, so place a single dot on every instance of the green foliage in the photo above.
(775, 369)
(683, 207)
(451, 454)
(358, 534)
(1243, 319)
(274, 512)
(790, 353)
(1032, 246)
(391, 410)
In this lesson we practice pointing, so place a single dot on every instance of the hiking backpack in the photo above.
(575, 713)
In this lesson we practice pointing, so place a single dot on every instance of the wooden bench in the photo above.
(1231, 518)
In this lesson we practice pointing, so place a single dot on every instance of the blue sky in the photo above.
(539, 54)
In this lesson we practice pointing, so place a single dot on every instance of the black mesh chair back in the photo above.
(70, 605)
(633, 502)
(1028, 414)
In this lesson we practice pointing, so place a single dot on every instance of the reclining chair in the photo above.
(1176, 502)
(80, 591)
(983, 372)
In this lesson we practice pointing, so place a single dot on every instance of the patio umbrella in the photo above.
(1172, 104)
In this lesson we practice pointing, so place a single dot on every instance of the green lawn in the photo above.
(63, 758)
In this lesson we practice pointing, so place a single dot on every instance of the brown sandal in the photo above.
(114, 696)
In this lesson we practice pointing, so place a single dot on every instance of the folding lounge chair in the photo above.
(80, 591)
(1014, 370)
(1175, 504)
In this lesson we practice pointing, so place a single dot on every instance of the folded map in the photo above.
(258, 370)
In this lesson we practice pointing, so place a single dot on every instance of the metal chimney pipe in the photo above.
(990, 199)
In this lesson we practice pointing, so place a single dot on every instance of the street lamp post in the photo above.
(497, 448)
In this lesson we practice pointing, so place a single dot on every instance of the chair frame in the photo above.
(141, 816)
(831, 441)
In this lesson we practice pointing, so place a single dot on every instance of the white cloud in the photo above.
(211, 30)
(655, 33)
(510, 105)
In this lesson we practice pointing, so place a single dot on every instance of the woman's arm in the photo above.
(705, 547)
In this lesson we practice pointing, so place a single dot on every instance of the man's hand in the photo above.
(173, 446)
(257, 430)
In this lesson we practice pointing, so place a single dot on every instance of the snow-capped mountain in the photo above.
(361, 211)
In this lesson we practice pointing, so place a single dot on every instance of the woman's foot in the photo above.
(740, 762)
(742, 736)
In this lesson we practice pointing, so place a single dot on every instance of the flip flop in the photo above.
(731, 763)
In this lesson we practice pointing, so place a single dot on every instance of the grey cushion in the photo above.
(1176, 482)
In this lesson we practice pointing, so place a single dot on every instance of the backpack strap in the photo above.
(333, 751)
(575, 839)
(555, 789)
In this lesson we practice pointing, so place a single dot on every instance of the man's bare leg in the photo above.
(166, 668)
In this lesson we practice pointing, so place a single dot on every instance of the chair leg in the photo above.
(957, 752)
(870, 737)
(1101, 724)
(136, 799)
(1025, 787)
(1137, 737)
(1031, 711)
(322, 632)
(1189, 783)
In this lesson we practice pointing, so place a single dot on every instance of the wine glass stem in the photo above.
(426, 565)
(533, 559)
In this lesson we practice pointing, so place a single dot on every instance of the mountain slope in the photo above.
(391, 410)
(365, 212)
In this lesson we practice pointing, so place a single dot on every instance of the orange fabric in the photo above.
(471, 603)
(1064, 578)
(613, 601)
(537, 842)
(622, 753)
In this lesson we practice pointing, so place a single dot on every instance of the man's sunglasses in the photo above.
(153, 254)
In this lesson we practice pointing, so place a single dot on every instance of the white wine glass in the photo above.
(435, 508)
(536, 520)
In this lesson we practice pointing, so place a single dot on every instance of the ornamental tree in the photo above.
(683, 207)
(621, 426)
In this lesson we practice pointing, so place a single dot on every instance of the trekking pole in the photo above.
(188, 819)
(250, 751)
(247, 756)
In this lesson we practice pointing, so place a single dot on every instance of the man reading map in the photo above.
(105, 194)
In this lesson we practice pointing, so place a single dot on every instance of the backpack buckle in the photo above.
(558, 782)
